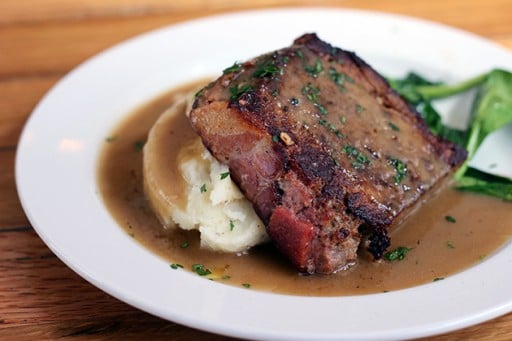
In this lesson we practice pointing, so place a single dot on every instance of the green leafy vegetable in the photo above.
(491, 111)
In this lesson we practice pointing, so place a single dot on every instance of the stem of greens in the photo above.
(429, 92)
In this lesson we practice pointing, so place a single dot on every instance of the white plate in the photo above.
(58, 153)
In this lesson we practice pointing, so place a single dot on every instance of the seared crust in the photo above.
(323, 148)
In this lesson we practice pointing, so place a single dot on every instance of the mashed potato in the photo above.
(213, 204)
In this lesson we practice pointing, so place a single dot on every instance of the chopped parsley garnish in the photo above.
(450, 219)
(311, 92)
(246, 285)
(175, 266)
(266, 69)
(231, 225)
(393, 126)
(450, 245)
(139, 145)
(184, 245)
(110, 138)
(397, 254)
(203, 188)
(359, 108)
(331, 127)
(400, 170)
(199, 93)
(275, 138)
(359, 159)
(339, 78)
(200, 270)
(237, 91)
(233, 68)
(437, 279)
(225, 277)
(224, 175)
(315, 69)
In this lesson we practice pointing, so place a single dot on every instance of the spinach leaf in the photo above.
(480, 182)
(419, 92)
(491, 111)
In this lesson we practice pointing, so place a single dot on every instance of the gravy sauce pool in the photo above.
(439, 247)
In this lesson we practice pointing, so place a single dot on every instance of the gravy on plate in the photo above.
(448, 234)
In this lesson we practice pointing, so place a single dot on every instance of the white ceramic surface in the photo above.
(58, 153)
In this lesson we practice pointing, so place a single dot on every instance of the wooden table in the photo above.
(40, 41)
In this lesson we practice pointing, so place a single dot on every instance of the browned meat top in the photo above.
(322, 146)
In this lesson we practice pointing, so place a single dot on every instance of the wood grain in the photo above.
(42, 40)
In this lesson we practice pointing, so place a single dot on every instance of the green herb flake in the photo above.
(231, 225)
(359, 159)
(275, 138)
(110, 138)
(450, 245)
(266, 69)
(200, 270)
(339, 78)
(393, 126)
(299, 54)
(233, 68)
(437, 279)
(400, 170)
(450, 219)
(246, 285)
(315, 69)
(237, 91)
(184, 245)
(311, 92)
(176, 266)
(199, 93)
(224, 175)
(397, 254)
(359, 108)
(225, 277)
(322, 109)
(203, 188)
(139, 145)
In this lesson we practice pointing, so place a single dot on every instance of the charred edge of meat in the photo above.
(379, 243)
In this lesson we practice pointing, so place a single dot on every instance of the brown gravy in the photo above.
(439, 247)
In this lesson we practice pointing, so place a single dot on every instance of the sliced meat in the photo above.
(324, 149)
